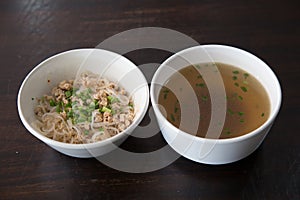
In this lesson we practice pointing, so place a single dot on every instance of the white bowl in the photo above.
(65, 66)
(215, 151)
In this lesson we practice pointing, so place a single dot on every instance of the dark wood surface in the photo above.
(31, 31)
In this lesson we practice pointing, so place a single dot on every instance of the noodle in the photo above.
(91, 110)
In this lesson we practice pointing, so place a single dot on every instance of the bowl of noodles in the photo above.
(83, 102)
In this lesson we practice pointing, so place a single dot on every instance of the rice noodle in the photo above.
(85, 112)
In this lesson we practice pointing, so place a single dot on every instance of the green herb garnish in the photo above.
(112, 99)
(200, 85)
(176, 110)
(227, 131)
(262, 114)
(68, 105)
(68, 93)
(165, 95)
(166, 91)
(240, 113)
(172, 118)
(70, 114)
(197, 66)
(236, 72)
(244, 89)
(234, 78)
(204, 98)
(96, 104)
(58, 108)
(52, 102)
(105, 109)
(86, 132)
(236, 84)
(130, 104)
(230, 111)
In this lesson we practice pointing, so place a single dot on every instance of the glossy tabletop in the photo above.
(32, 30)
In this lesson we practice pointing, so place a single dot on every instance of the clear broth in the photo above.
(248, 105)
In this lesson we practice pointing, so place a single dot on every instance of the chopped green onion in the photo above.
(96, 102)
(230, 111)
(113, 111)
(236, 84)
(176, 110)
(227, 131)
(240, 98)
(81, 119)
(70, 114)
(234, 78)
(165, 95)
(198, 66)
(246, 75)
(172, 118)
(204, 98)
(92, 105)
(86, 132)
(200, 85)
(236, 72)
(166, 90)
(244, 89)
(68, 105)
(68, 93)
(105, 109)
(112, 99)
(52, 103)
(58, 108)
(262, 114)
(240, 113)
(89, 90)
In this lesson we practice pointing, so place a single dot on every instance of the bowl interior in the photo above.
(67, 65)
(223, 54)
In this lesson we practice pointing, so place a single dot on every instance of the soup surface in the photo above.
(242, 103)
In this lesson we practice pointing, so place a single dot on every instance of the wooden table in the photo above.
(31, 31)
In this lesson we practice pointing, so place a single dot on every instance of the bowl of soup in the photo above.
(215, 104)
(83, 102)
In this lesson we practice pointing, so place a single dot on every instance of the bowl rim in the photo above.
(271, 118)
(110, 140)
